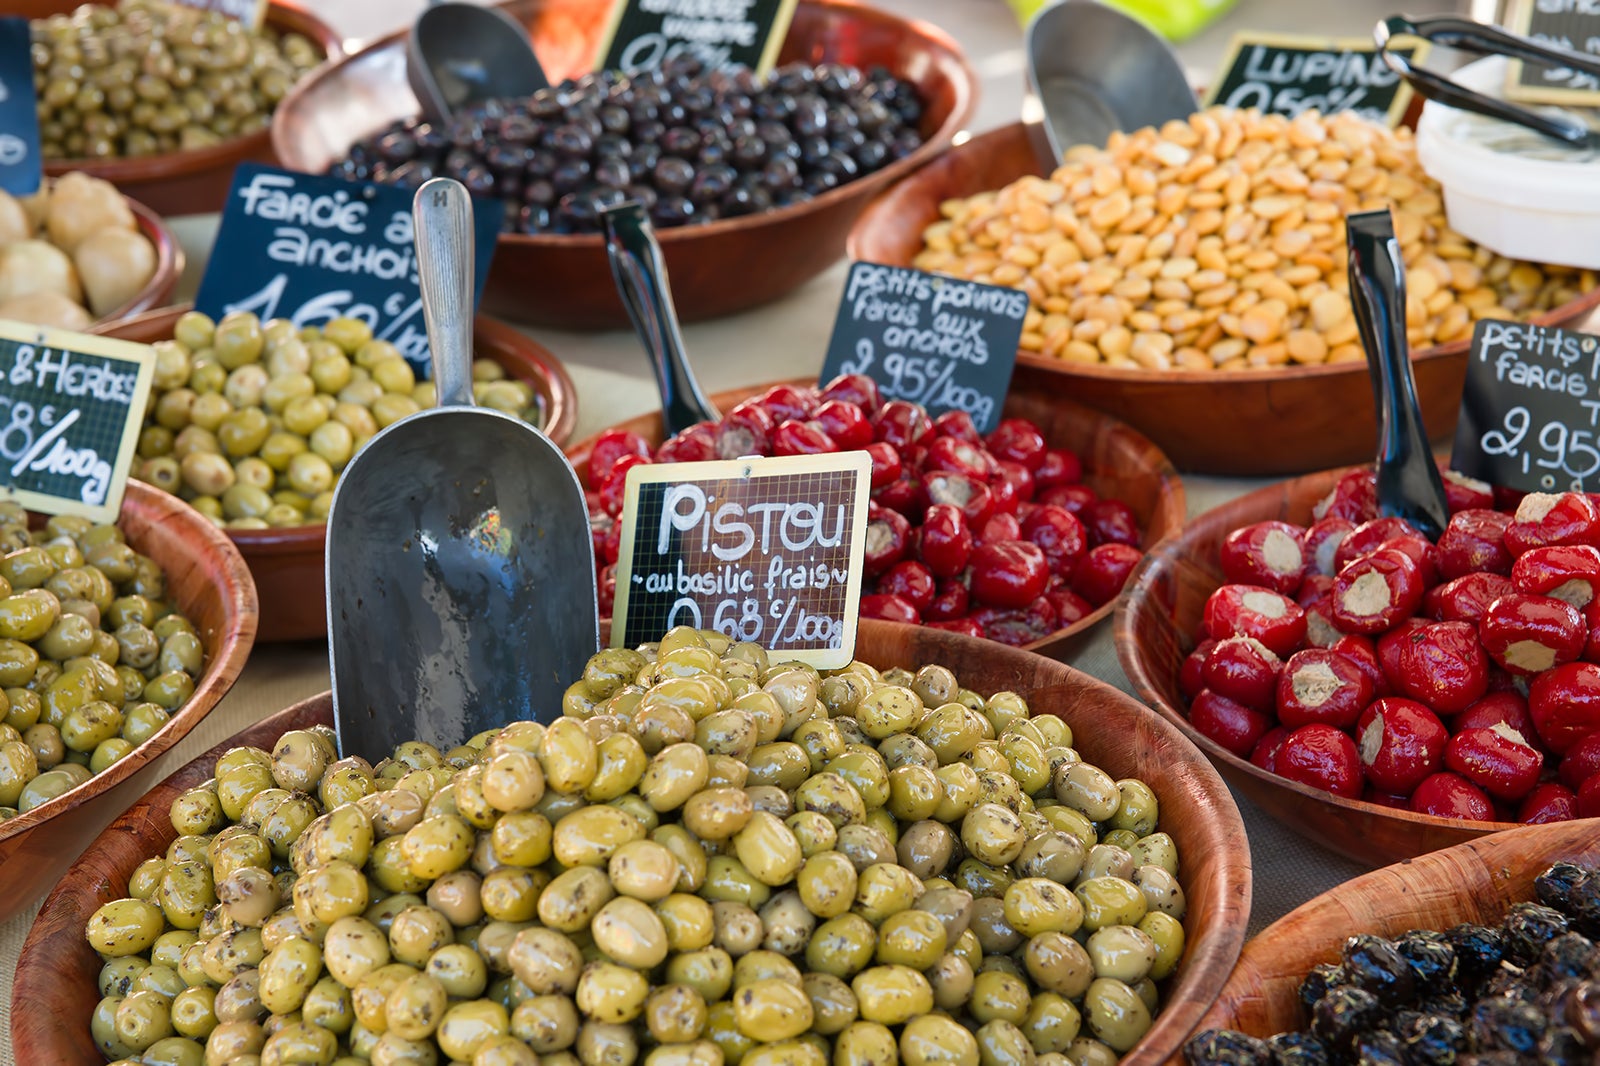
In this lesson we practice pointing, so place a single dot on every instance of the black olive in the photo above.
(1316, 984)
(1434, 1040)
(1450, 1004)
(1563, 1047)
(1581, 1011)
(1343, 1014)
(1225, 1047)
(1529, 926)
(1372, 963)
(1570, 955)
(1298, 1049)
(1479, 950)
(1507, 1025)
(1381, 1047)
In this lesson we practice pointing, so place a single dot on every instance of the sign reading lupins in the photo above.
(311, 248)
(1530, 412)
(766, 550)
(1286, 75)
(71, 407)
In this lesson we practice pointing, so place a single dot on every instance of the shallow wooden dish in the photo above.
(1246, 422)
(1118, 462)
(1155, 630)
(55, 987)
(193, 182)
(716, 268)
(208, 581)
(288, 563)
(1472, 882)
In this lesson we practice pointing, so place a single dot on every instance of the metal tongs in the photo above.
(1481, 39)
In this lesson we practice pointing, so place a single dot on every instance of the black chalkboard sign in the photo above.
(310, 248)
(1530, 412)
(643, 34)
(20, 165)
(1285, 75)
(947, 344)
(1572, 24)
(71, 407)
(249, 12)
(765, 550)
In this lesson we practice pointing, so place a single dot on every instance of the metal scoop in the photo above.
(1096, 71)
(1409, 485)
(461, 586)
(461, 54)
(641, 276)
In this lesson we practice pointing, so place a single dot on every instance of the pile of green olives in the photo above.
(711, 859)
(151, 76)
(252, 421)
(93, 660)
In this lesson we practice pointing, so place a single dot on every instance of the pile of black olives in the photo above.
(1525, 991)
(711, 859)
(691, 145)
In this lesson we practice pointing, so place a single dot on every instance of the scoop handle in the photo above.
(441, 216)
(1409, 486)
(641, 276)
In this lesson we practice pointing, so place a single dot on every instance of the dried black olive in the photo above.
(1507, 1025)
(1447, 1004)
(1581, 1011)
(1558, 886)
(1432, 960)
(1568, 956)
(1479, 950)
(1298, 1049)
(1372, 963)
(1563, 1047)
(1316, 984)
(1435, 1040)
(1343, 1014)
(1529, 926)
(1226, 1047)
(1380, 1048)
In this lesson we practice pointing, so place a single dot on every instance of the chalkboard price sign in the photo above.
(311, 248)
(947, 344)
(21, 167)
(1530, 412)
(249, 12)
(643, 34)
(1571, 24)
(766, 550)
(71, 407)
(1285, 75)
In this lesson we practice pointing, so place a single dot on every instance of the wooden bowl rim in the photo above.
(241, 612)
(1566, 313)
(290, 16)
(1233, 877)
(963, 86)
(1165, 475)
(1139, 597)
(563, 416)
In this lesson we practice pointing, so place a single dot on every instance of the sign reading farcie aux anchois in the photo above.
(767, 550)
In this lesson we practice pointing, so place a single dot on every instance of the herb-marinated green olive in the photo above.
(891, 995)
(1166, 932)
(1110, 901)
(1115, 1014)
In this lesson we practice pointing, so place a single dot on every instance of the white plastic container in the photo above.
(1508, 188)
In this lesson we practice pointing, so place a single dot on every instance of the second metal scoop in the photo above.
(1096, 71)
(460, 54)
(461, 584)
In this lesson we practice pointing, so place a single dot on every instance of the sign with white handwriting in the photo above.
(1570, 24)
(1281, 74)
(644, 34)
(71, 407)
(947, 344)
(311, 248)
(249, 12)
(766, 550)
(1530, 412)
(21, 167)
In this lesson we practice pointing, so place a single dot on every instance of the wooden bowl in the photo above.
(288, 563)
(1477, 881)
(1245, 422)
(1155, 630)
(1118, 463)
(196, 181)
(208, 581)
(716, 268)
(55, 984)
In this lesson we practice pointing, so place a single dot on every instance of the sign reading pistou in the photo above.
(644, 34)
(71, 407)
(249, 12)
(1530, 411)
(947, 344)
(1570, 24)
(21, 167)
(311, 248)
(1285, 75)
(766, 550)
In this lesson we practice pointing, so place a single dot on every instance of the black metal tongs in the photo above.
(1485, 40)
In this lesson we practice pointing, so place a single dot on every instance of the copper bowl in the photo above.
(1477, 882)
(1155, 630)
(196, 181)
(1118, 463)
(716, 268)
(288, 563)
(1246, 422)
(208, 582)
(55, 985)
